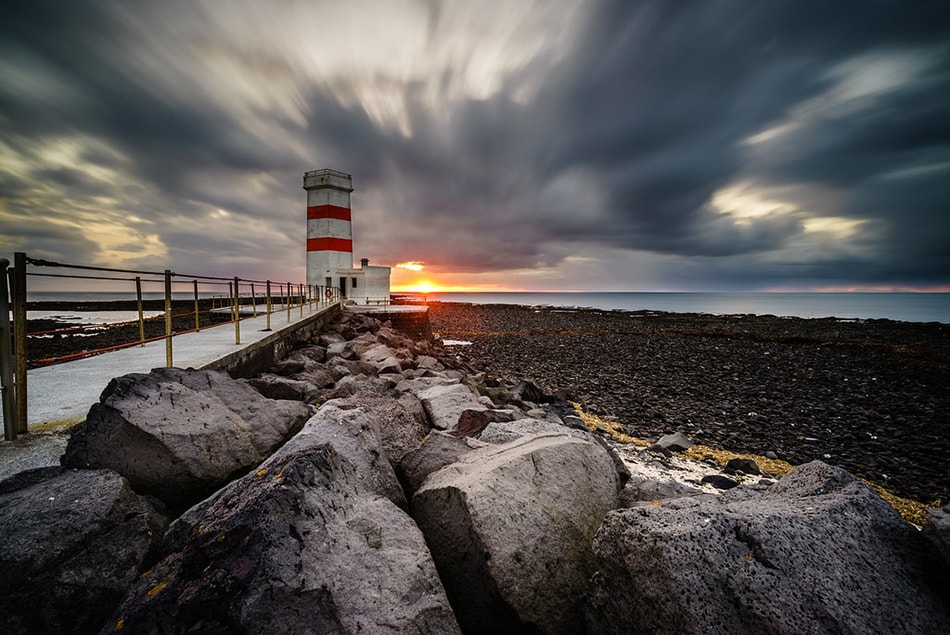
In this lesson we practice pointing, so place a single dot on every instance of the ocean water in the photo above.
(906, 307)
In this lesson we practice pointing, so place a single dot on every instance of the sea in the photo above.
(905, 307)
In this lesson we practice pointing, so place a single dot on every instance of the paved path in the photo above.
(63, 393)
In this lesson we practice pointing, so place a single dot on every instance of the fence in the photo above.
(241, 302)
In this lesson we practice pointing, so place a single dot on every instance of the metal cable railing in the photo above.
(240, 303)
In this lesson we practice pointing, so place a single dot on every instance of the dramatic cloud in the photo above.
(542, 145)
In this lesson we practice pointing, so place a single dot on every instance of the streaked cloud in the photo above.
(548, 145)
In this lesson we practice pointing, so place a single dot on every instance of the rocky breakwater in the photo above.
(374, 483)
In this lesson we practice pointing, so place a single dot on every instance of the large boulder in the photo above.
(73, 541)
(181, 434)
(510, 528)
(300, 546)
(438, 450)
(818, 552)
(444, 404)
(353, 432)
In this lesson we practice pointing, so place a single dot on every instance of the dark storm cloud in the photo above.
(621, 141)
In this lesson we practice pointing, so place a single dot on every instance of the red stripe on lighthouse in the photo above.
(329, 244)
(328, 211)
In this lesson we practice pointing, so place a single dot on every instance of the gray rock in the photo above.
(353, 433)
(676, 442)
(507, 431)
(741, 466)
(73, 542)
(510, 528)
(400, 429)
(719, 481)
(180, 434)
(277, 387)
(297, 547)
(639, 489)
(818, 552)
(445, 404)
(438, 450)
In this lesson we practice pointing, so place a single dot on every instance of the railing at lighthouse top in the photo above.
(327, 172)
(328, 178)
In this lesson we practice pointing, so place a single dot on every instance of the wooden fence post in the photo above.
(7, 393)
(19, 341)
(168, 318)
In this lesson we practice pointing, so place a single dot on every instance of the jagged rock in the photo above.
(741, 466)
(438, 450)
(526, 391)
(818, 552)
(297, 547)
(471, 422)
(318, 376)
(445, 404)
(507, 431)
(353, 433)
(510, 528)
(400, 430)
(277, 387)
(719, 481)
(676, 442)
(73, 542)
(639, 489)
(181, 434)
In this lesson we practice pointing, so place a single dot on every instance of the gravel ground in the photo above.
(872, 396)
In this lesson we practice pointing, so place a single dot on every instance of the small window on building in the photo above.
(353, 280)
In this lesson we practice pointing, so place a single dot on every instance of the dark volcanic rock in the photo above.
(73, 542)
(298, 547)
(818, 552)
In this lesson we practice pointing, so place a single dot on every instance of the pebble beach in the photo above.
(872, 396)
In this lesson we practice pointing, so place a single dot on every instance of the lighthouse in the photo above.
(330, 241)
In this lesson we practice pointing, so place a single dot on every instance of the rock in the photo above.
(298, 547)
(318, 376)
(741, 466)
(445, 404)
(400, 429)
(472, 422)
(639, 489)
(937, 528)
(181, 434)
(719, 481)
(438, 450)
(277, 387)
(353, 433)
(818, 552)
(510, 529)
(676, 442)
(527, 391)
(506, 431)
(73, 542)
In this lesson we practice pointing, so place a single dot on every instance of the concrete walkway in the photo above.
(63, 393)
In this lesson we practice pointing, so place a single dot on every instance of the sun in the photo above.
(423, 287)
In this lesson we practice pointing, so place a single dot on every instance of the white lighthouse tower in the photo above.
(330, 241)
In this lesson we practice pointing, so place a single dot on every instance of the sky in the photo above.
(582, 145)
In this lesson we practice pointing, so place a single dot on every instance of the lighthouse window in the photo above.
(353, 280)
